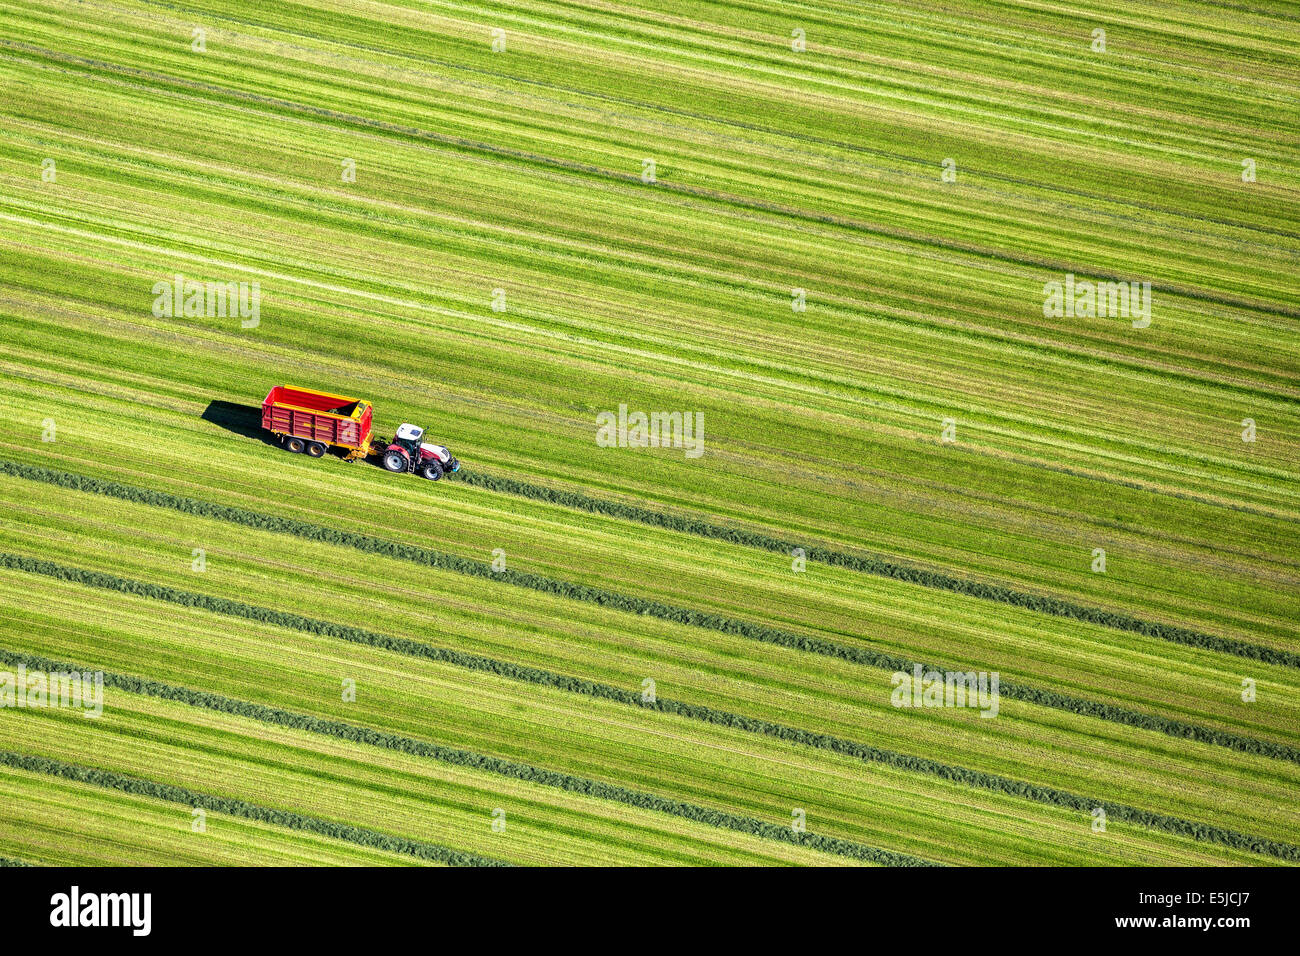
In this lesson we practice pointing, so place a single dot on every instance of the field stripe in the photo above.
(660, 753)
(923, 304)
(61, 823)
(766, 634)
(880, 566)
(277, 106)
(249, 811)
(464, 758)
(864, 752)
(869, 565)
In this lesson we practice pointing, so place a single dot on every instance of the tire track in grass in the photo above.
(532, 675)
(759, 632)
(476, 761)
(111, 780)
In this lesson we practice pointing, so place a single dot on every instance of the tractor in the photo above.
(407, 452)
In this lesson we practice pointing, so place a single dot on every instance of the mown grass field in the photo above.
(501, 271)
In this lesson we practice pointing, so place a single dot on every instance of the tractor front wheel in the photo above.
(394, 461)
(315, 449)
(432, 471)
(295, 445)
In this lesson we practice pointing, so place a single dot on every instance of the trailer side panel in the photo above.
(317, 416)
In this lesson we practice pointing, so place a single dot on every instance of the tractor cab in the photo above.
(408, 437)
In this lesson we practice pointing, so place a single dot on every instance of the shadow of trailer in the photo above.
(337, 422)
(242, 420)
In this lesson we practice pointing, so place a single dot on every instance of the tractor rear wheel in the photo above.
(294, 444)
(395, 461)
(432, 471)
(315, 449)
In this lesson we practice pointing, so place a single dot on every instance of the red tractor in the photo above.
(408, 453)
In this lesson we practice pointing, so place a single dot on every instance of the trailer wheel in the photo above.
(315, 449)
(295, 445)
(394, 461)
(432, 471)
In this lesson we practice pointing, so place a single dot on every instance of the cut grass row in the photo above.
(462, 758)
(65, 822)
(883, 567)
(661, 753)
(817, 694)
(615, 759)
(240, 808)
(865, 564)
(1214, 686)
(414, 803)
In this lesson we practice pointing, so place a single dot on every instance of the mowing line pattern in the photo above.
(869, 565)
(768, 635)
(539, 161)
(864, 752)
(361, 836)
(844, 248)
(465, 758)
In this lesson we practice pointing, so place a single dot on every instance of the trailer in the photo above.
(311, 421)
(304, 419)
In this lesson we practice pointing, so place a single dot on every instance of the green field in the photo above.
(825, 229)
